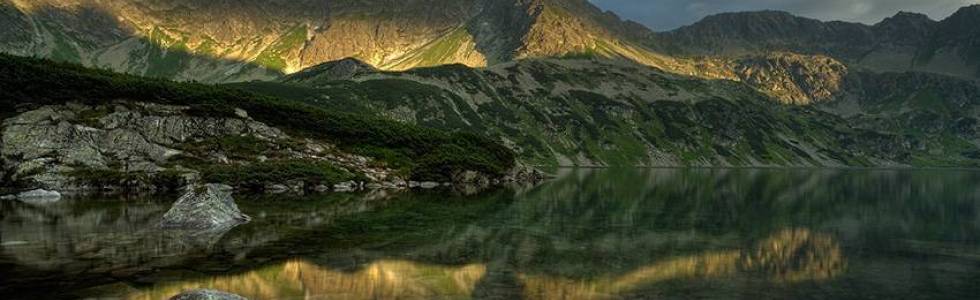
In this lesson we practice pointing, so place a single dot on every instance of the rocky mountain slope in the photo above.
(591, 112)
(70, 128)
(904, 42)
(236, 41)
(226, 41)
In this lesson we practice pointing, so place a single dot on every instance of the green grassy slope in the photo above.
(581, 112)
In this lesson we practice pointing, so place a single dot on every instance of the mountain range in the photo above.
(225, 40)
(561, 82)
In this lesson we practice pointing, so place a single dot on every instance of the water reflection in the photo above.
(299, 279)
(789, 256)
(589, 234)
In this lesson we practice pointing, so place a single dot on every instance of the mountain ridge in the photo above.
(585, 112)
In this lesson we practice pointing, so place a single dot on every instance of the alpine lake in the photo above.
(586, 234)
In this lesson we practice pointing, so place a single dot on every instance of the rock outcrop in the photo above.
(49, 144)
(204, 207)
(205, 294)
(137, 146)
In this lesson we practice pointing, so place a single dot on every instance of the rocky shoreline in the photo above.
(143, 148)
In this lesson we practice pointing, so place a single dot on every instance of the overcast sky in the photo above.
(669, 14)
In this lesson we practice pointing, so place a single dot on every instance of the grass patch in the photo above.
(272, 57)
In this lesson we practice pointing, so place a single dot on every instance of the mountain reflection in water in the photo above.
(297, 279)
(791, 255)
(590, 234)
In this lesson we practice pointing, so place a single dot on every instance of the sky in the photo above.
(669, 14)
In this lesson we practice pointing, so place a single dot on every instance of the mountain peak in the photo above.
(905, 28)
(771, 23)
(342, 69)
(908, 17)
(963, 25)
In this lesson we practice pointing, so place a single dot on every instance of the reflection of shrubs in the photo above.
(258, 175)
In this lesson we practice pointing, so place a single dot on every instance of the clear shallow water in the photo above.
(591, 234)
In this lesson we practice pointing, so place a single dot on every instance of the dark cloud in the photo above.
(669, 14)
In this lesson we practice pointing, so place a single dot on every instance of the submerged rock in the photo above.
(39, 196)
(429, 185)
(345, 186)
(204, 207)
(204, 294)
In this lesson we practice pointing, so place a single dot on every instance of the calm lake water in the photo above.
(589, 234)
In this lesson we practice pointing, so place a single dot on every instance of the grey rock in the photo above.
(472, 178)
(241, 113)
(276, 188)
(205, 294)
(204, 207)
(8, 197)
(345, 186)
(525, 174)
(39, 194)
(399, 182)
(297, 186)
(429, 185)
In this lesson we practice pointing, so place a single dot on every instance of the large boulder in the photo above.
(203, 294)
(204, 207)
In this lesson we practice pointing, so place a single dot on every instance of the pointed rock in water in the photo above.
(204, 207)
(203, 294)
